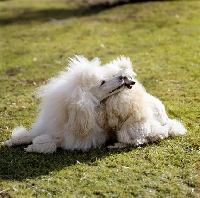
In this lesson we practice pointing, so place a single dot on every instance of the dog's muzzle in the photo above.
(128, 82)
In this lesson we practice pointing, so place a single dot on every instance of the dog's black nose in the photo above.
(132, 82)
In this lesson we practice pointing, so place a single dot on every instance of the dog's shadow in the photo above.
(15, 164)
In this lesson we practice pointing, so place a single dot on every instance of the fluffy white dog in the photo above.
(136, 116)
(83, 106)
(71, 109)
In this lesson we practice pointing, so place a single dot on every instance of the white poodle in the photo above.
(136, 116)
(70, 110)
(85, 105)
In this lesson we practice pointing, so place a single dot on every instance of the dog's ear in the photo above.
(80, 102)
(81, 108)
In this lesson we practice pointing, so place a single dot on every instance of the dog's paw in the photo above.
(117, 145)
(7, 143)
(29, 149)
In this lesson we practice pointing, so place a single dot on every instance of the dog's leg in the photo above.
(19, 136)
(158, 131)
(42, 144)
(134, 133)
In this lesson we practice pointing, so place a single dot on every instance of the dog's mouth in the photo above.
(117, 88)
(127, 83)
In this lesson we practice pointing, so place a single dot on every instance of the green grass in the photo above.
(163, 41)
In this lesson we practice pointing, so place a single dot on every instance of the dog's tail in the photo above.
(176, 128)
(19, 136)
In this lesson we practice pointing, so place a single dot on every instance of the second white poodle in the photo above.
(136, 116)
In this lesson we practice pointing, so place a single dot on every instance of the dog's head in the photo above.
(120, 75)
(113, 85)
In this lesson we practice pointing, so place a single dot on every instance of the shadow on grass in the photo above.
(18, 165)
(53, 15)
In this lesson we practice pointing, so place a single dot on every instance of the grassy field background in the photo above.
(162, 38)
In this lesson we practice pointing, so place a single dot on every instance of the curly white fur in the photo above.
(84, 104)
(136, 116)
(69, 111)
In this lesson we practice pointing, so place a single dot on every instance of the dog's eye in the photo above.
(102, 82)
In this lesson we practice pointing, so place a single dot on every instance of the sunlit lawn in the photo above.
(162, 38)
